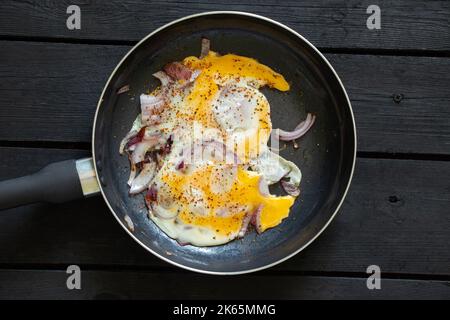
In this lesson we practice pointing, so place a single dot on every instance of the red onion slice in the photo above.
(151, 107)
(143, 147)
(133, 172)
(299, 130)
(245, 223)
(182, 167)
(131, 144)
(178, 71)
(206, 46)
(125, 140)
(124, 89)
(163, 77)
(290, 188)
(139, 152)
(151, 196)
(144, 178)
(256, 218)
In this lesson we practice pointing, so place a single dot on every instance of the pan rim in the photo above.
(288, 29)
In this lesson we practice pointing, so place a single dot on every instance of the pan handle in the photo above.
(56, 183)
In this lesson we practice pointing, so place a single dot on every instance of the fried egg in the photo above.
(213, 167)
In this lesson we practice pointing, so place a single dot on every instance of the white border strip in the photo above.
(267, 20)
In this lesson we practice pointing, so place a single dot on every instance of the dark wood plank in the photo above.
(34, 284)
(419, 123)
(405, 24)
(395, 216)
(49, 92)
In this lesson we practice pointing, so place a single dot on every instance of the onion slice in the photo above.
(133, 172)
(178, 71)
(206, 46)
(290, 188)
(125, 140)
(144, 178)
(124, 89)
(256, 219)
(163, 77)
(299, 130)
(245, 222)
(151, 107)
(141, 149)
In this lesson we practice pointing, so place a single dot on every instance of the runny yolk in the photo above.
(241, 197)
(215, 68)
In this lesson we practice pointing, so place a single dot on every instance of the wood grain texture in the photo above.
(395, 216)
(49, 92)
(410, 25)
(34, 284)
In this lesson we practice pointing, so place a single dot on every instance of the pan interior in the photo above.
(325, 155)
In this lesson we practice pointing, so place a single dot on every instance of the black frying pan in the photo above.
(326, 155)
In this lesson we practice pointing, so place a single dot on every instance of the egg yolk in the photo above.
(243, 193)
(215, 68)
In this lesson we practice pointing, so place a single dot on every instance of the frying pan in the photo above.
(326, 155)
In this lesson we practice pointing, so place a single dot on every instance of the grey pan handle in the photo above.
(56, 183)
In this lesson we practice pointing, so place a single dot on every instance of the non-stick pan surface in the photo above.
(325, 156)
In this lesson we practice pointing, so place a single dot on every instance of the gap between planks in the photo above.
(331, 50)
(268, 272)
(86, 146)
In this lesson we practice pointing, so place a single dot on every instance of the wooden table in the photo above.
(397, 212)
